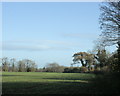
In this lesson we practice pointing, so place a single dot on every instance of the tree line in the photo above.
(26, 65)
(94, 61)
(11, 65)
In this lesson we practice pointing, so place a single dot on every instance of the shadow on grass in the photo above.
(58, 87)
(107, 83)
(66, 78)
(47, 88)
(10, 75)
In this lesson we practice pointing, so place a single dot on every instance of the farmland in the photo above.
(46, 83)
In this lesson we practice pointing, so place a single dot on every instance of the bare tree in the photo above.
(5, 64)
(27, 65)
(110, 22)
(0, 64)
(54, 67)
(21, 66)
(13, 64)
(110, 25)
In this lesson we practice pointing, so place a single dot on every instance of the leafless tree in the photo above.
(110, 25)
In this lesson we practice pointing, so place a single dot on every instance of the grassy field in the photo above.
(46, 83)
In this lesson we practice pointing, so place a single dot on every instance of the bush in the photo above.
(105, 69)
(67, 70)
(83, 69)
(54, 67)
(75, 70)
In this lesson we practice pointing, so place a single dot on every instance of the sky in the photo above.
(48, 32)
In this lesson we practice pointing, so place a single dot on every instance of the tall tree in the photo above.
(85, 58)
(0, 64)
(30, 65)
(5, 64)
(54, 67)
(110, 25)
(21, 66)
(13, 64)
(101, 57)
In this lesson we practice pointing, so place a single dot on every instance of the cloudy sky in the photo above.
(49, 32)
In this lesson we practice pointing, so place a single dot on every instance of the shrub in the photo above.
(105, 69)
(67, 70)
(83, 69)
(75, 70)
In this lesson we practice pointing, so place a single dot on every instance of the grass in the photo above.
(107, 83)
(46, 83)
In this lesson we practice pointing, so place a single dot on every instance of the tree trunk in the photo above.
(82, 62)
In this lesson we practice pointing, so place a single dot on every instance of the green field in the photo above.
(46, 83)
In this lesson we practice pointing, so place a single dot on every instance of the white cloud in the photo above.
(24, 47)
(81, 35)
(34, 45)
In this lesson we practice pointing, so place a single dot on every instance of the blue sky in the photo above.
(49, 32)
